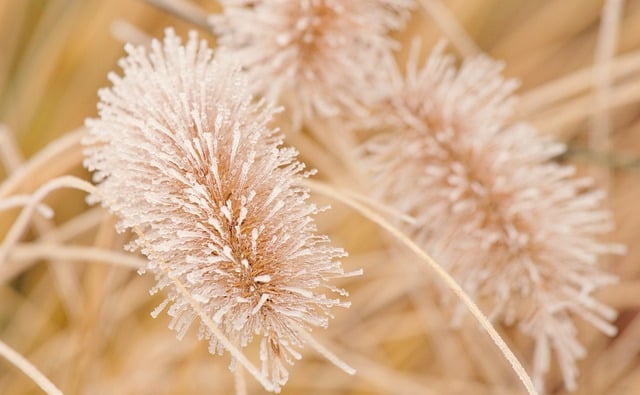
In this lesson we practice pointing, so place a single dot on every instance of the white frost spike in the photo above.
(262, 279)
(181, 130)
(263, 299)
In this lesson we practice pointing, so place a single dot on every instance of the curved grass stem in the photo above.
(28, 369)
(328, 191)
(326, 353)
(56, 158)
(20, 225)
(233, 350)
(53, 251)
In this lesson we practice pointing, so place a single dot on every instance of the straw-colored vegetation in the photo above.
(76, 316)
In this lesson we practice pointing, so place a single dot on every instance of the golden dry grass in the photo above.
(86, 325)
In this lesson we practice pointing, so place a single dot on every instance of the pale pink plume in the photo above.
(184, 156)
(316, 57)
(519, 231)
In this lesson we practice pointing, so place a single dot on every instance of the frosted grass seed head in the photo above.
(184, 156)
(316, 57)
(520, 232)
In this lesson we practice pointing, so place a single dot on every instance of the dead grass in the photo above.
(86, 325)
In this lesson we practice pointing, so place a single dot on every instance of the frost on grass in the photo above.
(519, 231)
(181, 153)
(315, 56)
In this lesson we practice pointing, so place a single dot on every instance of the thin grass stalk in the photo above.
(239, 381)
(72, 182)
(51, 251)
(556, 121)
(451, 28)
(56, 158)
(22, 200)
(540, 98)
(600, 131)
(66, 283)
(20, 225)
(237, 354)
(328, 191)
(9, 153)
(69, 230)
(617, 358)
(185, 10)
(126, 32)
(28, 369)
(343, 143)
(325, 352)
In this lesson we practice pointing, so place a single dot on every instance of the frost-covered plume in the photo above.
(316, 57)
(185, 158)
(519, 231)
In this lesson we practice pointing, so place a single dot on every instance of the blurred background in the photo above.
(87, 325)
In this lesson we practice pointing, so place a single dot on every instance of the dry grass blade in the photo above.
(68, 290)
(233, 350)
(20, 225)
(58, 157)
(441, 273)
(560, 89)
(51, 251)
(600, 132)
(451, 27)
(29, 369)
(184, 9)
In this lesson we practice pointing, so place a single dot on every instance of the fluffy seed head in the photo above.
(182, 153)
(517, 230)
(316, 57)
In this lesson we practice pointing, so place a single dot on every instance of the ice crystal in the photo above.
(519, 231)
(316, 57)
(183, 154)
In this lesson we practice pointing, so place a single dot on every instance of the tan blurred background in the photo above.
(99, 339)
